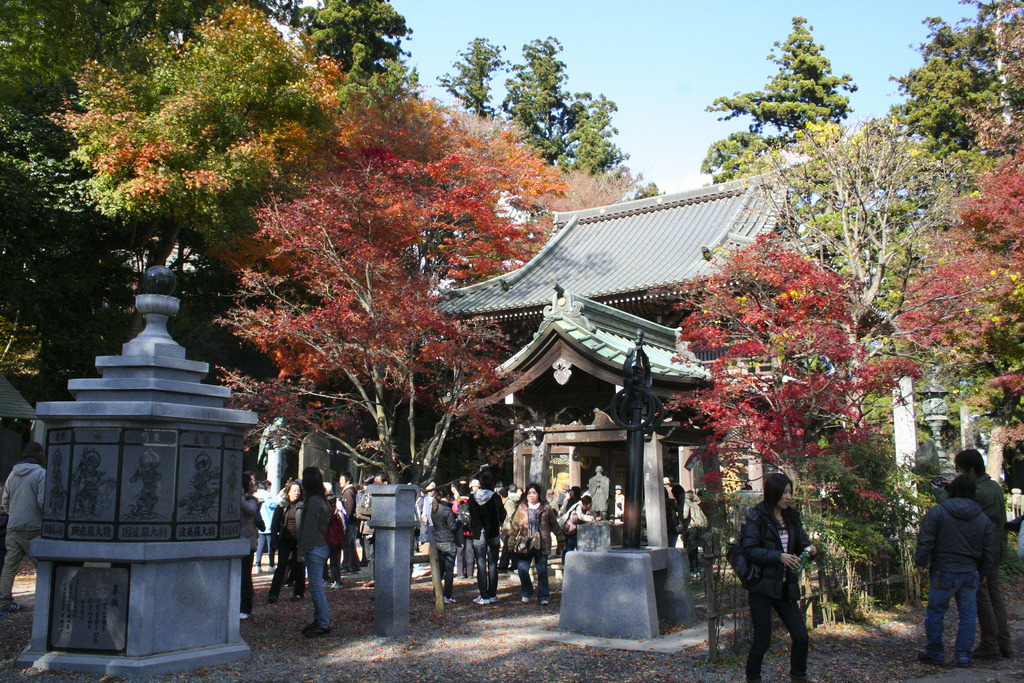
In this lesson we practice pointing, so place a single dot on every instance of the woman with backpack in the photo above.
(530, 538)
(773, 539)
(314, 549)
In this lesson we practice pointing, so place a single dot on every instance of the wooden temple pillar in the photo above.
(540, 463)
(519, 471)
(575, 469)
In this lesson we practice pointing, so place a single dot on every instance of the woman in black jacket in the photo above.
(773, 539)
(284, 537)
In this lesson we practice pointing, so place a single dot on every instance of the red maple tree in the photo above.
(347, 301)
(982, 335)
(790, 381)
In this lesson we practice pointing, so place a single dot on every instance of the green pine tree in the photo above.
(361, 34)
(803, 91)
(472, 81)
(961, 81)
(572, 131)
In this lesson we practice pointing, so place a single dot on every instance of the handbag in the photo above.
(526, 544)
(747, 572)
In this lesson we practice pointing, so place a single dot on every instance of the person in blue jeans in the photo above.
(957, 542)
(533, 522)
(486, 513)
(313, 548)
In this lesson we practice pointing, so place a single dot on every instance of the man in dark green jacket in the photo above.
(992, 618)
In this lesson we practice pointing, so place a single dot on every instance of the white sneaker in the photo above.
(544, 602)
(449, 601)
(481, 600)
(526, 599)
(243, 615)
(493, 600)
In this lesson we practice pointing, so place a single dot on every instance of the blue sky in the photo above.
(663, 62)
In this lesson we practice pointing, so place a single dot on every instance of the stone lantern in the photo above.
(139, 557)
(936, 414)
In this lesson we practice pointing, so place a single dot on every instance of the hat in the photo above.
(474, 482)
(618, 487)
(430, 487)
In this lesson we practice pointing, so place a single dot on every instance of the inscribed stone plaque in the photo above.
(231, 507)
(93, 489)
(90, 608)
(57, 474)
(199, 487)
(147, 484)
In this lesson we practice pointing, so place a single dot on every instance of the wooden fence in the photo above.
(828, 587)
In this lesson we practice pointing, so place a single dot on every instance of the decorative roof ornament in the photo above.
(563, 370)
(564, 306)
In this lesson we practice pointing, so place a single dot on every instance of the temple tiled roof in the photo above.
(607, 336)
(628, 247)
(12, 404)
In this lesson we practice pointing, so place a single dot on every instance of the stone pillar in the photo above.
(393, 521)
(755, 472)
(275, 469)
(904, 422)
(139, 556)
(313, 453)
(540, 464)
(654, 494)
(966, 428)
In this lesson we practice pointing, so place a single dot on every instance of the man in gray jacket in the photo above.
(958, 542)
(23, 501)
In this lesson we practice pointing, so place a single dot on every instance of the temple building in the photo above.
(573, 312)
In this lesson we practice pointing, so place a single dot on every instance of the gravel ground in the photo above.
(494, 643)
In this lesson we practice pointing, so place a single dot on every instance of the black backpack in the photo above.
(464, 516)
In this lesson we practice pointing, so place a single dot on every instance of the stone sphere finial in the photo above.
(159, 280)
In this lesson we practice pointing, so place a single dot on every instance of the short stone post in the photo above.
(393, 520)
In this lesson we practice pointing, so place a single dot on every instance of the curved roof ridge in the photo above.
(514, 276)
(664, 201)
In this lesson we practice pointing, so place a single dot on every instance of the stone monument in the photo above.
(139, 558)
(634, 586)
(393, 520)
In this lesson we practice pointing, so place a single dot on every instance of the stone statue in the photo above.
(599, 492)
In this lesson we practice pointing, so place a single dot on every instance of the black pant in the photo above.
(245, 607)
(761, 616)
(350, 560)
(446, 565)
(465, 558)
(505, 559)
(288, 559)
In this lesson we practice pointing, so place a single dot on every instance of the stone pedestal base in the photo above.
(624, 593)
(141, 610)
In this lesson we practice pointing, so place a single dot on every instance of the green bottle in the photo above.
(805, 559)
